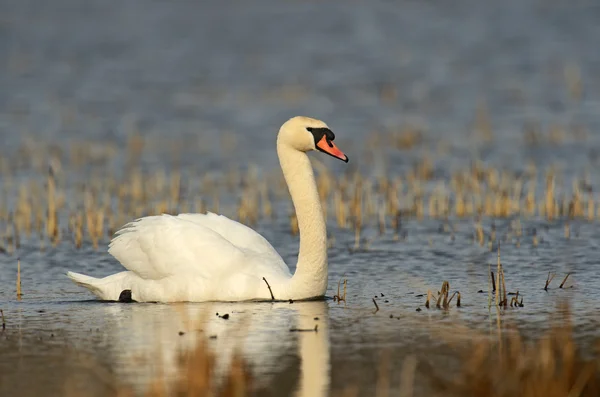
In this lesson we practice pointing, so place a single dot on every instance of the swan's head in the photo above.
(306, 134)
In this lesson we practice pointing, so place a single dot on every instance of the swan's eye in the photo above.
(319, 133)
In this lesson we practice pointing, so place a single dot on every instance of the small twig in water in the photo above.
(3, 322)
(270, 291)
(564, 281)
(376, 306)
(548, 281)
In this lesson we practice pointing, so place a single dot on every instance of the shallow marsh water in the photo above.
(194, 72)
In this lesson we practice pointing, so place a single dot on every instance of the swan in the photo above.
(209, 257)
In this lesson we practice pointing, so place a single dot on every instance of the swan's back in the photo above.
(209, 246)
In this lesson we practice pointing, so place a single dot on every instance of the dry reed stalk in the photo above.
(162, 207)
(175, 189)
(111, 223)
(498, 283)
(52, 220)
(451, 297)
(433, 205)
(78, 230)
(564, 280)
(199, 206)
(99, 225)
(369, 199)
(135, 145)
(460, 208)
(19, 294)
(357, 207)
(24, 211)
(267, 207)
(550, 202)
(442, 299)
(504, 299)
(3, 210)
(184, 207)
(337, 297)
(381, 219)
(480, 233)
(95, 225)
(340, 209)
(419, 213)
(548, 281)
(216, 202)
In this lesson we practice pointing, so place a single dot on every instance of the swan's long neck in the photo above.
(311, 270)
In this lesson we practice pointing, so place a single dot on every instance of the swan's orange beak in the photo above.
(327, 146)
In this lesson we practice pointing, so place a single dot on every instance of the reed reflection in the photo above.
(148, 341)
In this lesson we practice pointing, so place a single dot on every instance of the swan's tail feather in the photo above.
(97, 286)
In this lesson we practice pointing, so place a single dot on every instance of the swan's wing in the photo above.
(239, 235)
(154, 247)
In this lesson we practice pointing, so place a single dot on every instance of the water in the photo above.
(193, 72)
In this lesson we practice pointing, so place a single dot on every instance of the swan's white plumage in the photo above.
(204, 257)
(155, 247)
(190, 257)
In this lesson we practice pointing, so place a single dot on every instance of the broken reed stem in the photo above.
(429, 294)
(270, 291)
(445, 291)
(504, 299)
(337, 297)
(52, 221)
(548, 281)
(376, 306)
(564, 281)
(3, 322)
(19, 279)
(451, 297)
(490, 282)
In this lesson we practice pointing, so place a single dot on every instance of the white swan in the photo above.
(209, 257)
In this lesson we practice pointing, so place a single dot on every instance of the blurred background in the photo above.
(467, 123)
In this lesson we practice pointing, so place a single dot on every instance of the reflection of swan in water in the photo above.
(147, 342)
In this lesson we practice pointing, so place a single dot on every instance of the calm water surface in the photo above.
(191, 71)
